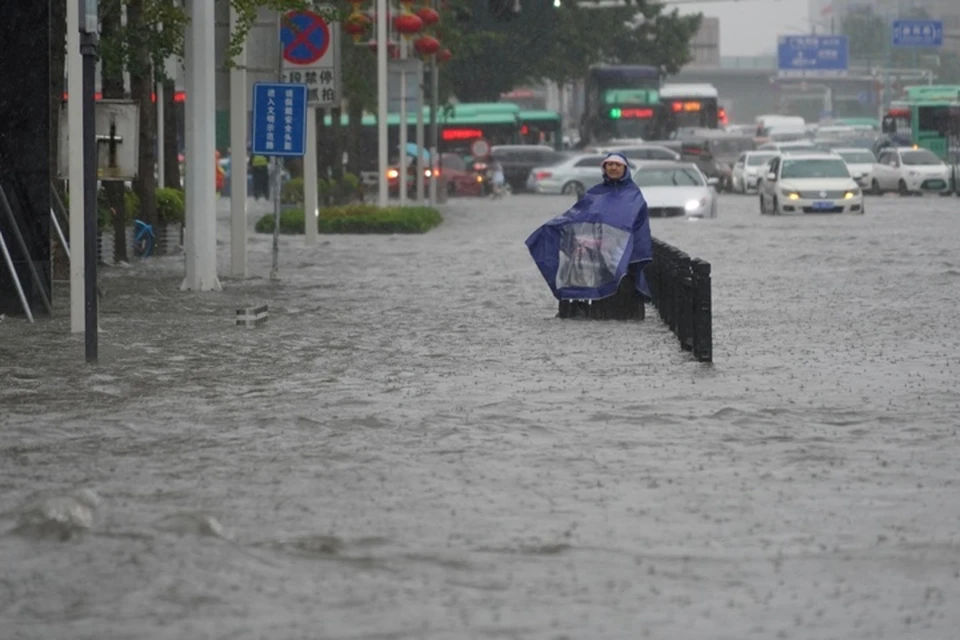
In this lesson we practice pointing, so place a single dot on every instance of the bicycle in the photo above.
(143, 239)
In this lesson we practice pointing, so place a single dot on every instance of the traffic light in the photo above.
(615, 114)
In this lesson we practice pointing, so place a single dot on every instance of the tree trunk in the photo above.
(141, 90)
(354, 133)
(171, 150)
(58, 62)
(111, 79)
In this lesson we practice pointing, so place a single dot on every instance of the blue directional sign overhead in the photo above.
(917, 33)
(279, 119)
(812, 56)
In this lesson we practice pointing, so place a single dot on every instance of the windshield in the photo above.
(921, 156)
(757, 159)
(814, 168)
(857, 157)
(681, 177)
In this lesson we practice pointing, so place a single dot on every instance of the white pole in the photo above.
(310, 180)
(421, 168)
(75, 172)
(158, 92)
(382, 149)
(238, 159)
(404, 162)
(201, 196)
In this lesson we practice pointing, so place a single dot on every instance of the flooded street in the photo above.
(415, 447)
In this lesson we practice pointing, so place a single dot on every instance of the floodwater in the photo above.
(415, 447)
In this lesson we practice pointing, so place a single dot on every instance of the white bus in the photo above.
(690, 106)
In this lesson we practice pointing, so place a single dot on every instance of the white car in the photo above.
(860, 162)
(909, 170)
(571, 176)
(809, 183)
(746, 172)
(676, 189)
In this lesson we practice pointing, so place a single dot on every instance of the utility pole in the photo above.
(89, 28)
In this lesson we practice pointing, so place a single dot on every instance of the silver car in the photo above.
(571, 176)
(746, 172)
(677, 189)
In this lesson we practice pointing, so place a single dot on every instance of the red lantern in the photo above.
(444, 55)
(393, 49)
(428, 15)
(356, 25)
(426, 45)
(407, 24)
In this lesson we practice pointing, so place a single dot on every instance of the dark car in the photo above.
(454, 176)
(517, 161)
(715, 154)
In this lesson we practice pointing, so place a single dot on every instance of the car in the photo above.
(454, 176)
(570, 176)
(746, 171)
(910, 170)
(677, 189)
(787, 146)
(518, 159)
(646, 152)
(809, 183)
(860, 162)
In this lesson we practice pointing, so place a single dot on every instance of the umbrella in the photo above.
(412, 152)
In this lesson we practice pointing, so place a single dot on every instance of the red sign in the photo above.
(461, 134)
(636, 113)
(686, 106)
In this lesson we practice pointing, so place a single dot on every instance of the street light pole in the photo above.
(89, 27)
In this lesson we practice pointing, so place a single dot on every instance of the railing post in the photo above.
(703, 322)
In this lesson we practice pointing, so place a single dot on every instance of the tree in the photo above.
(560, 44)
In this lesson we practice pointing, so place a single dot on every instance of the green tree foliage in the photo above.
(560, 44)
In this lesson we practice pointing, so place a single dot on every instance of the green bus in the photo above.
(459, 127)
(928, 115)
(541, 127)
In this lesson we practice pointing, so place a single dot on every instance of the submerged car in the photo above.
(910, 170)
(571, 176)
(860, 162)
(677, 189)
(809, 183)
(746, 172)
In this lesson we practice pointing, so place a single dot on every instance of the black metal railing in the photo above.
(682, 293)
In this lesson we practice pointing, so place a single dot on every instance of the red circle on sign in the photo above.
(305, 36)
(480, 148)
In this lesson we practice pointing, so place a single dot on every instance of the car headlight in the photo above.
(792, 195)
(695, 205)
(912, 173)
(393, 174)
(851, 194)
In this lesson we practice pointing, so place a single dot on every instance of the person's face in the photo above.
(614, 170)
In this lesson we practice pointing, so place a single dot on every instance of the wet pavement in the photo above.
(414, 447)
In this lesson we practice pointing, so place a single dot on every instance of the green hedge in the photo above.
(348, 187)
(171, 206)
(358, 218)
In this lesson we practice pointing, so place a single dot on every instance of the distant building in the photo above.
(705, 45)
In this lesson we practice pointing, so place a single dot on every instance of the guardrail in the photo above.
(682, 293)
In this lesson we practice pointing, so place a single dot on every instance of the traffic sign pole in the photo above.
(382, 148)
(277, 181)
(404, 163)
(310, 195)
(238, 158)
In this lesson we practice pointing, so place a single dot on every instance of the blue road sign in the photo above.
(917, 33)
(305, 36)
(279, 119)
(812, 56)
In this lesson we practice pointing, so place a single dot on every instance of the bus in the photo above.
(924, 116)
(459, 127)
(541, 127)
(689, 106)
(622, 102)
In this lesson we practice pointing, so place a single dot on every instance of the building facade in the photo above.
(705, 45)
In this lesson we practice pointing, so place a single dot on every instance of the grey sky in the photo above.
(750, 27)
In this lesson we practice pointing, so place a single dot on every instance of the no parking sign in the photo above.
(311, 55)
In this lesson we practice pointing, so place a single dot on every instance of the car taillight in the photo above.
(542, 175)
(393, 174)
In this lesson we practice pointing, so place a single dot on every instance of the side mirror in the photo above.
(772, 177)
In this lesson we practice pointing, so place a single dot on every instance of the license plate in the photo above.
(823, 205)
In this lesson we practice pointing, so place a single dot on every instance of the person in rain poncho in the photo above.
(586, 252)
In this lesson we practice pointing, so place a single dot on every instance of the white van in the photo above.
(767, 122)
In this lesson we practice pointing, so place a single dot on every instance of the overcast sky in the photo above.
(750, 27)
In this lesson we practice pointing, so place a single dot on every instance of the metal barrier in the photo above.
(682, 293)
